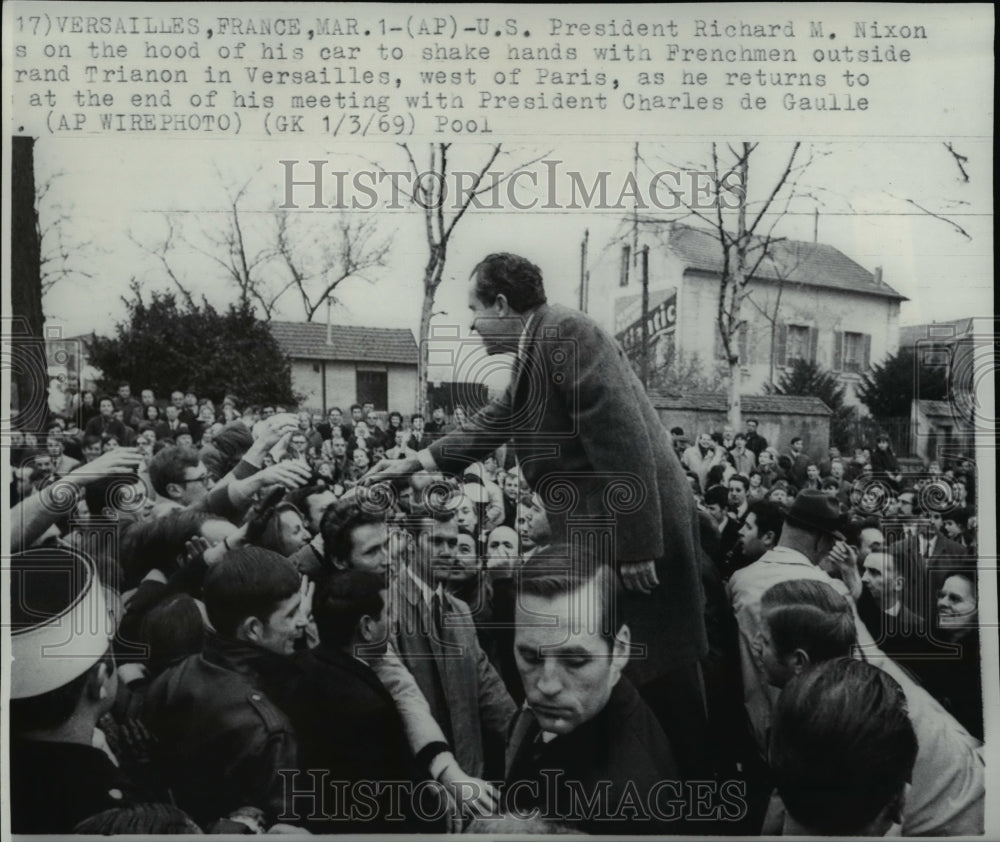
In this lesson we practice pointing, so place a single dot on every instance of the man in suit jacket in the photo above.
(435, 636)
(354, 537)
(755, 441)
(928, 557)
(897, 630)
(171, 424)
(589, 441)
(419, 436)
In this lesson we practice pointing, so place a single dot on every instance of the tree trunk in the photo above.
(29, 377)
(739, 285)
(735, 404)
(423, 357)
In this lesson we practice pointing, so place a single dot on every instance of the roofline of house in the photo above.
(766, 280)
(325, 326)
(294, 358)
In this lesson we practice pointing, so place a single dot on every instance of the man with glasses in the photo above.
(179, 476)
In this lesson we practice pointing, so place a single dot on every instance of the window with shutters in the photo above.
(854, 351)
(797, 344)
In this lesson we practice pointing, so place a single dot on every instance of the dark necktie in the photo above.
(437, 614)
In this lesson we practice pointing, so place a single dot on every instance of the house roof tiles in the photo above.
(308, 340)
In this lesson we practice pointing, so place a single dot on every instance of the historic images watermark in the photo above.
(313, 795)
(318, 184)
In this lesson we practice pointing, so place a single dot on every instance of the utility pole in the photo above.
(635, 206)
(645, 317)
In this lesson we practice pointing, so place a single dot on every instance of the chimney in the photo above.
(878, 275)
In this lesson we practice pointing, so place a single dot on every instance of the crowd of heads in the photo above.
(728, 472)
(291, 566)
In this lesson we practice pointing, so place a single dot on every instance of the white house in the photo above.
(806, 301)
(338, 365)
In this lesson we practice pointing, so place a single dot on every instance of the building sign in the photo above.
(661, 320)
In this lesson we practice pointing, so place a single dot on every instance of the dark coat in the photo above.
(100, 425)
(903, 637)
(221, 740)
(586, 436)
(925, 574)
(163, 429)
(54, 786)
(348, 725)
(955, 679)
(756, 443)
(623, 746)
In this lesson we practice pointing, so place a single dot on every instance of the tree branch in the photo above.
(960, 160)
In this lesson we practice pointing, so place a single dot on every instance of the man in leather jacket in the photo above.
(223, 743)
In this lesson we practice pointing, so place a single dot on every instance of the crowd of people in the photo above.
(335, 624)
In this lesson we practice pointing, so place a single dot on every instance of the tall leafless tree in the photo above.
(442, 210)
(744, 231)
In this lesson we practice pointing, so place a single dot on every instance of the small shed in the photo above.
(338, 365)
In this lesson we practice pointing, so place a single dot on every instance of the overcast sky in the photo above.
(115, 191)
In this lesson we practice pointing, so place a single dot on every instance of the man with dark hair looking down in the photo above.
(583, 718)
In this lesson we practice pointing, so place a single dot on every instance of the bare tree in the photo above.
(317, 268)
(430, 194)
(742, 253)
(244, 257)
(267, 256)
(745, 236)
(61, 256)
(160, 250)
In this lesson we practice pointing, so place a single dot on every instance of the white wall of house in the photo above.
(868, 326)
(341, 383)
(402, 388)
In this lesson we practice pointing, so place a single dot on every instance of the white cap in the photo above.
(60, 621)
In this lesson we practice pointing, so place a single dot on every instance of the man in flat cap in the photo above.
(811, 529)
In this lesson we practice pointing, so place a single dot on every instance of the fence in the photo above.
(861, 432)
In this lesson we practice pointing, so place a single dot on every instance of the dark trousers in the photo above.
(677, 699)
